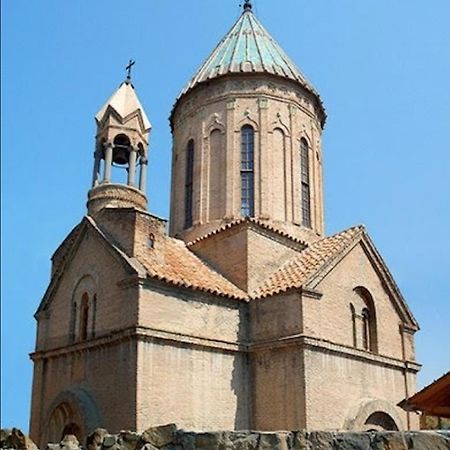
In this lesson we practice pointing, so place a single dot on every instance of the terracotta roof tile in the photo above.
(171, 261)
(296, 271)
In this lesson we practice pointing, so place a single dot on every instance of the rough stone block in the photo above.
(185, 439)
(160, 436)
(69, 442)
(15, 439)
(320, 440)
(94, 440)
(129, 440)
(209, 441)
(298, 441)
(109, 441)
(52, 447)
(243, 440)
(352, 441)
(273, 441)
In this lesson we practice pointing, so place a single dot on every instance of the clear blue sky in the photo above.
(382, 68)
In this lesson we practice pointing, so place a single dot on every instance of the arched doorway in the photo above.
(65, 419)
(380, 421)
(72, 412)
(373, 414)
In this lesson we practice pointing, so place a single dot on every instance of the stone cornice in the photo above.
(138, 334)
(310, 293)
(304, 341)
(150, 334)
(88, 345)
(145, 334)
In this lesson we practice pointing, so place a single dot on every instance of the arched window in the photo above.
(84, 317)
(365, 315)
(304, 176)
(247, 171)
(189, 184)
(151, 241)
(353, 313)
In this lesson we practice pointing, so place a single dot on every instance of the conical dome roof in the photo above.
(248, 48)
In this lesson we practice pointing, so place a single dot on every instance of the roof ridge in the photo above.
(240, 220)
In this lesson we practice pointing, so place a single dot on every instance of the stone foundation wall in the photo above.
(168, 437)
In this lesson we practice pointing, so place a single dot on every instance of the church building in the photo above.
(240, 313)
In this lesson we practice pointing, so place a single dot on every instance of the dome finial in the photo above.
(247, 5)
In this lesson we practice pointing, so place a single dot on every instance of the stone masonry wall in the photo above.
(169, 438)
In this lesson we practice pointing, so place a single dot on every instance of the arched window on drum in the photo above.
(189, 185)
(305, 187)
(247, 171)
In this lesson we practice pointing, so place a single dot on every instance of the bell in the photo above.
(121, 154)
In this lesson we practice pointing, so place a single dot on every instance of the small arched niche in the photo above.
(216, 175)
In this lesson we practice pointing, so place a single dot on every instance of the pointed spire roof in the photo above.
(125, 102)
(248, 48)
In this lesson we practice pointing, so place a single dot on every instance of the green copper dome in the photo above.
(248, 48)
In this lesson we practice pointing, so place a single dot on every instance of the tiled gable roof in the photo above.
(298, 270)
(172, 262)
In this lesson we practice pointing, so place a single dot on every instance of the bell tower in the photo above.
(121, 151)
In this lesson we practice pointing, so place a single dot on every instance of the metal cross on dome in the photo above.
(247, 5)
(131, 63)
